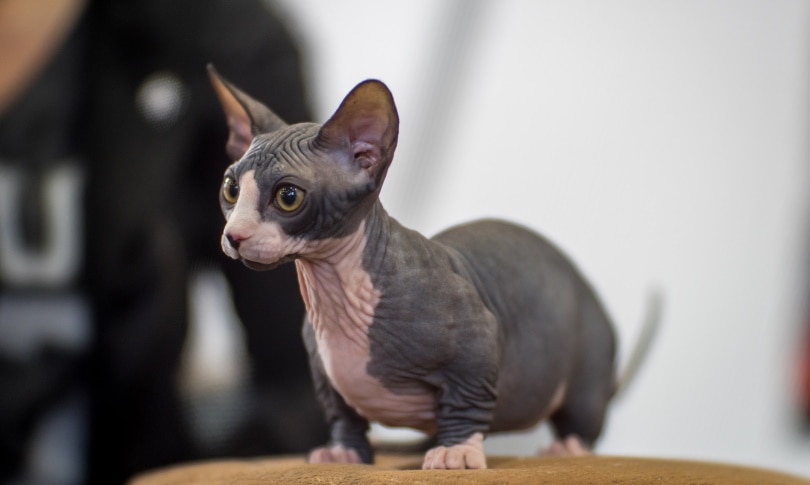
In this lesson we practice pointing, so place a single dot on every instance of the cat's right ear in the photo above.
(364, 128)
(246, 116)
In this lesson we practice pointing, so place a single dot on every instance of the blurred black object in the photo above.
(126, 111)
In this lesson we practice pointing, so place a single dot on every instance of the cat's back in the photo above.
(516, 267)
(500, 246)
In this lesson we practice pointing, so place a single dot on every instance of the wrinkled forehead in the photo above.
(288, 147)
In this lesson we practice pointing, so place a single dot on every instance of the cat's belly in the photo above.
(345, 362)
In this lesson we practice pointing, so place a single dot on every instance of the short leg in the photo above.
(583, 422)
(348, 443)
(578, 422)
(464, 416)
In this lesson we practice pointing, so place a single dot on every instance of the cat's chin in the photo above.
(266, 267)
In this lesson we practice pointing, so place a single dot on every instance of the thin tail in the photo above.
(652, 321)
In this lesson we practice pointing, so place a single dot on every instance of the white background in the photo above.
(661, 144)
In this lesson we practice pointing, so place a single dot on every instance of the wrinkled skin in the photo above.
(486, 327)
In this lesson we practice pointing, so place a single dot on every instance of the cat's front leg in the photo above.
(348, 441)
(464, 417)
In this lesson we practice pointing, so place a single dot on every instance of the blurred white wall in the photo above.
(660, 143)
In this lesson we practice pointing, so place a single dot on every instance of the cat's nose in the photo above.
(234, 241)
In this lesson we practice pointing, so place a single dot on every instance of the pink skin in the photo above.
(469, 454)
(334, 454)
(570, 446)
(259, 242)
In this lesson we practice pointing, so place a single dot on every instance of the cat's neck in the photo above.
(337, 289)
(335, 275)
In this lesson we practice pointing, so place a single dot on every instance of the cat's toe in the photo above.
(334, 454)
(469, 454)
(570, 446)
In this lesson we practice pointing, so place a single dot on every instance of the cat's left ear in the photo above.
(364, 128)
(246, 116)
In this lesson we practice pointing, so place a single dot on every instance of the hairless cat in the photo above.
(485, 327)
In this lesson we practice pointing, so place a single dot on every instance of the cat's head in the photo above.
(293, 185)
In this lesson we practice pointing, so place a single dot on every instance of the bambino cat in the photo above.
(485, 327)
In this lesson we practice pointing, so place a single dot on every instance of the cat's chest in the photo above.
(346, 365)
(345, 362)
(341, 314)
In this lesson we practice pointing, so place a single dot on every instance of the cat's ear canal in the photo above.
(246, 116)
(364, 128)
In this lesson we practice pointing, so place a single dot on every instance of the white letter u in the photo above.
(59, 259)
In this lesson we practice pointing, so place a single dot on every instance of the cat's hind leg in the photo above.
(578, 422)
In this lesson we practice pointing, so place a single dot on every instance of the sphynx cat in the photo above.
(485, 327)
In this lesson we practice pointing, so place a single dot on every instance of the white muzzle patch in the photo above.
(247, 237)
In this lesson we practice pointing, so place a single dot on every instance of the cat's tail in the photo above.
(652, 322)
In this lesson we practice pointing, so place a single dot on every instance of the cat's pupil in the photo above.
(288, 195)
(233, 190)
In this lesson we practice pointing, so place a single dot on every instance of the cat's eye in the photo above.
(289, 197)
(230, 190)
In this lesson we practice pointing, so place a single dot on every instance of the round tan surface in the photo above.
(405, 469)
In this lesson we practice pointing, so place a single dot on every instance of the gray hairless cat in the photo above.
(485, 327)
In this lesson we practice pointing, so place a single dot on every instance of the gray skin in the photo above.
(492, 317)
(489, 319)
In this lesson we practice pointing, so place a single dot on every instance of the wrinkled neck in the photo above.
(337, 290)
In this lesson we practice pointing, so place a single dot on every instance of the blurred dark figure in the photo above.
(111, 156)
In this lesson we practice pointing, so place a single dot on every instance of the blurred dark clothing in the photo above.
(124, 116)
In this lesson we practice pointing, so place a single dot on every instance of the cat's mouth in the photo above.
(267, 266)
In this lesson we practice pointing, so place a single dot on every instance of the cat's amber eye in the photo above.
(230, 190)
(289, 197)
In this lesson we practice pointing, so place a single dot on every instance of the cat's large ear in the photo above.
(246, 116)
(364, 128)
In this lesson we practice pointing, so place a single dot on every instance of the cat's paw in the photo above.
(469, 454)
(570, 446)
(334, 454)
